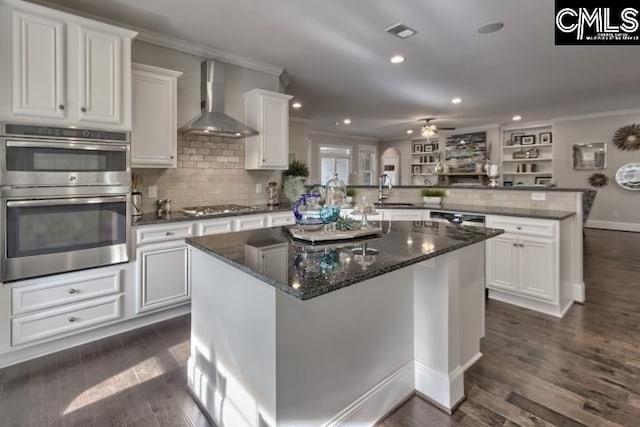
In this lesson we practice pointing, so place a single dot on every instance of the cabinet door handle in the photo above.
(61, 106)
(72, 319)
(518, 228)
(169, 233)
(171, 157)
(73, 291)
(83, 109)
(515, 244)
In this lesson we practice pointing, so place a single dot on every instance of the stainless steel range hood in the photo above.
(213, 120)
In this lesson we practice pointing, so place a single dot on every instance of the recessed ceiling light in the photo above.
(409, 131)
(516, 118)
(397, 59)
(337, 123)
(206, 131)
(401, 31)
(296, 105)
(491, 27)
(347, 121)
(238, 134)
(456, 100)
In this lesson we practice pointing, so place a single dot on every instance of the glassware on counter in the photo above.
(493, 172)
(307, 211)
(336, 191)
(364, 207)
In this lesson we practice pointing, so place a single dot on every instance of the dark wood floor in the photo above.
(536, 370)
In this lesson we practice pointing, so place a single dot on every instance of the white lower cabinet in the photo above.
(55, 306)
(162, 274)
(523, 264)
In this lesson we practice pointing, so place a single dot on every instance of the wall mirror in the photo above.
(590, 156)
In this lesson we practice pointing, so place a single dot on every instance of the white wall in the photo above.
(299, 143)
(611, 199)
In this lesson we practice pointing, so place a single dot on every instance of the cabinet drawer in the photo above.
(520, 226)
(280, 219)
(46, 293)
(165, 232)
(64, 320)
(213, 226)
(249, 222)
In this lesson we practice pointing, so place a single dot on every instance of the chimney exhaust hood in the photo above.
(213, 120)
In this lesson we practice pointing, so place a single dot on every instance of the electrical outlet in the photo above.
(538, 196)
(153, 191)
(258, 188)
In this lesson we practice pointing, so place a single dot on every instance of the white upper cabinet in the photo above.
(268, 113)
(64, 70)
(100, 75)
(37, 56)
(154, 132)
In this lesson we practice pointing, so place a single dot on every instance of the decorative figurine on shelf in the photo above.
(493, 172)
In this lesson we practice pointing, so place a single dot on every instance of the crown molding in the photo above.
(198, 49)
(527, 125)
(342, 135)
(483, 128)
(170, 42)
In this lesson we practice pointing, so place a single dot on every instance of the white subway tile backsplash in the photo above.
(210, 171)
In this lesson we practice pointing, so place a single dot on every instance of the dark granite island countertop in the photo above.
(314, 270)
(371, 330)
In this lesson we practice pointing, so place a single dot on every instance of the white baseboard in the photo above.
(578, 292)
(471, 361)
(444, 390)
(614, 225)
(542, 307)
(376, 403)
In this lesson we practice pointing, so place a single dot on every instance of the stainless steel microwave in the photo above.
(42, 156)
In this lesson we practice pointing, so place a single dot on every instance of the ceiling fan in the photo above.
(429, 129)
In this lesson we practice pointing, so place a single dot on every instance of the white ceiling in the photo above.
(337, 55)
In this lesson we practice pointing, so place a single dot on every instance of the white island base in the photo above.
(261, 357)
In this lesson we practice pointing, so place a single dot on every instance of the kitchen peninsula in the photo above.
(288, 334)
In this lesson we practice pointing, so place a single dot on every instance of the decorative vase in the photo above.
(294, 187)
(432, 201)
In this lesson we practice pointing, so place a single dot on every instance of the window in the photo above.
(333, 160)
(367, 160)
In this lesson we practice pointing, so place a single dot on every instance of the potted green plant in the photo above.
(432, 196)
(294, 178)
(351, 193)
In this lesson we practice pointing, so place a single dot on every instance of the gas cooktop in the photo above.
(213, 210)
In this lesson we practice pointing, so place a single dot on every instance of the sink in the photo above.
(393, 205)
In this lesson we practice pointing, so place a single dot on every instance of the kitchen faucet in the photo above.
(381, 181)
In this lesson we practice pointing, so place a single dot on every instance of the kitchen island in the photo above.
(289, 334)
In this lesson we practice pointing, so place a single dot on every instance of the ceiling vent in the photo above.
(401, 31)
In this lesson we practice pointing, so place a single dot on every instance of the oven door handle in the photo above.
(59, 202)
(67, 145)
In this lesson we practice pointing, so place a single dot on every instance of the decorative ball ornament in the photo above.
(598, 179)
(627, 138)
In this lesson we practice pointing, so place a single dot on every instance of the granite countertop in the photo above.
(314, 270)
(488, 210)
(150, 218)
(483, 187)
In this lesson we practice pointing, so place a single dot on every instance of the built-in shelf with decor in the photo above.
(527, 155)
(424, 157)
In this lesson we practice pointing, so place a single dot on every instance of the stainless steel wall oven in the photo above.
(64, 200)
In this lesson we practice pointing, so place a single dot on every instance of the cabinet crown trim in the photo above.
(264, 92)
(157, 70)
